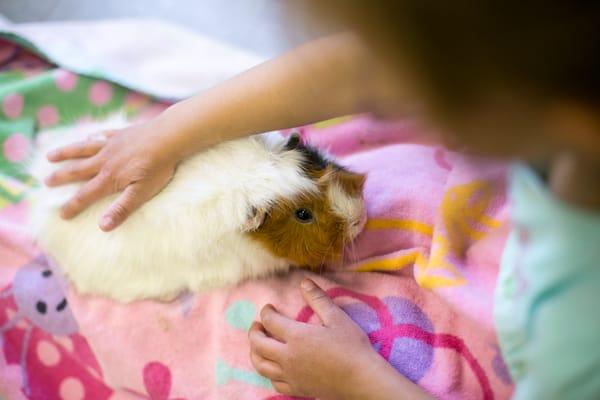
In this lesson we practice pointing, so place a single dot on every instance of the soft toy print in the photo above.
(39, 298)
(39, 333)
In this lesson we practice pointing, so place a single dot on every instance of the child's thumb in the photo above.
(322, 305)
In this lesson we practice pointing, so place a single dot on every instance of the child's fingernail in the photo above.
(307, 284)
(107, 222)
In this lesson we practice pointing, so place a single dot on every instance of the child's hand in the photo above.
(278, 94)
(309, 360)
(133, 160)
(333, 361)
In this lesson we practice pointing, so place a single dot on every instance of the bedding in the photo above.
(419, 280)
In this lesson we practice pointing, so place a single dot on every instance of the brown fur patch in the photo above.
(351, 182)
(314, 243)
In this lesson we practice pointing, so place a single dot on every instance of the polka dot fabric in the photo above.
(39, 359)
(36, 95)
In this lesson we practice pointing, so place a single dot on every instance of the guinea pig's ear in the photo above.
(294, 141)
(352, 182)
(255, 219)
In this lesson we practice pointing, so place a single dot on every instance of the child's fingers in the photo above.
(323, 306)
(102, 136)
(75, 171)
(282, 387)
(82, 149)
(263, 345)
(267, 368)
(130, 200)
(276, 324)
(89, 193)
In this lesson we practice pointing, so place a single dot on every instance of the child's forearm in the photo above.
(329, 77)
(325, 78)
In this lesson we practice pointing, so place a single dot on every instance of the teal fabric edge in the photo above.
(24, 42)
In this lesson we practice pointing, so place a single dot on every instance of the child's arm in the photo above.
(325, 78)
(333, 361)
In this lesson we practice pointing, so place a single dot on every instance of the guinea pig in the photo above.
(244, 209)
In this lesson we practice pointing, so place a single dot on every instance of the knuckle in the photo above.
(141, 173)
(119, 210)
(320, 296)
(104, 175)
(107, 178)
(69, 171)
(298, 334)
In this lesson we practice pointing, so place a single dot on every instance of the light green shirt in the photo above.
(547, 306)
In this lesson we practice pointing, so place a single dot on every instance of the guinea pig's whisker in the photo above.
(324, 257)
(353, 257)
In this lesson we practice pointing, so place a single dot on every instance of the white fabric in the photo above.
(147, 55)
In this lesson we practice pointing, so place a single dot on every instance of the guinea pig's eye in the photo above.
(303, 215)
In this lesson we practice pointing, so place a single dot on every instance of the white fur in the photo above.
(188, 237)
(347, 207)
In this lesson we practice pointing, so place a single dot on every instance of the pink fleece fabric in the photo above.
(419, 281)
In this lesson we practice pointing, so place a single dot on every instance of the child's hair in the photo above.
(464, 49)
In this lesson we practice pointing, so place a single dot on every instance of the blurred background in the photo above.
(267, 27)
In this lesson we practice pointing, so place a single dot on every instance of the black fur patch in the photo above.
(313, 158)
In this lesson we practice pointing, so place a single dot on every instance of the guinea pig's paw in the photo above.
(255, 219)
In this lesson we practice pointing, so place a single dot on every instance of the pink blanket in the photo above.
(419, 281)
